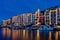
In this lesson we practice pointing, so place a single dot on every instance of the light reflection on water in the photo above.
(29, 35)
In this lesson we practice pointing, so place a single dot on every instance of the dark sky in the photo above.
(9, 8)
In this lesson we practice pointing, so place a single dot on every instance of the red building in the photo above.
(41, 20)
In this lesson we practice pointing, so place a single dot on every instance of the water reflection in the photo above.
(30, 35)
(50, 38)
(38, 36)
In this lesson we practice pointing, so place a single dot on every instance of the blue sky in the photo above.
(9, 8)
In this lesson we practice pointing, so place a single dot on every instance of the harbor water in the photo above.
(24, 34)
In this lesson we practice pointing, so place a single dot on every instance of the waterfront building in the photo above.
(10, 21)
(51, 16)
(42, 21)
(29, 18)
(15, 20)
(20, 20)
(47, 17)
(36, 17)
(58, 16)
(33, 19)
(25, 19)
(4, 23)
(42, 18)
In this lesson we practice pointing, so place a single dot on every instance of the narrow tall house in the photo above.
(37, 17)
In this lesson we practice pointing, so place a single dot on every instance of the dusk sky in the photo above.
(9, 8)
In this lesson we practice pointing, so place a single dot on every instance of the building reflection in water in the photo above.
(38, 35)
(30, 35)
(6, 33)
(56, 35)
(59, 35)
(50, 36)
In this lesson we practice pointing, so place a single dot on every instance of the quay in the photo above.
(41, 28)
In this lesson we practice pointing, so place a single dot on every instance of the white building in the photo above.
(52, 16)
(15, 20)
(27, 18)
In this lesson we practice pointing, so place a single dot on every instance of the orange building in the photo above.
(37, 15)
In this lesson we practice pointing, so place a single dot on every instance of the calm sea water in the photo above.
(7, 34)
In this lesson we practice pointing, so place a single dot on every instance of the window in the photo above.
(58, 23)
(58, 13)
(47, 13)
(58, 19)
